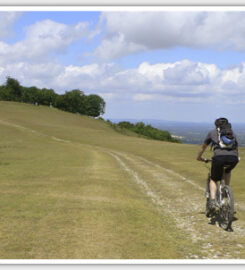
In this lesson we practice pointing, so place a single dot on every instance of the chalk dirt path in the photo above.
(184, 201)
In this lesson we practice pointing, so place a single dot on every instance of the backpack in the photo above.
(226, 138)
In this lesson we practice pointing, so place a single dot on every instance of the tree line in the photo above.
(74, 101)
(146, 131)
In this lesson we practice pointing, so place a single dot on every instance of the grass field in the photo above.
(73, 188)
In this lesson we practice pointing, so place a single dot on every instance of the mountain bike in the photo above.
(224, 201)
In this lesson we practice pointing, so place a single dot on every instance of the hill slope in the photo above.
(72, 188)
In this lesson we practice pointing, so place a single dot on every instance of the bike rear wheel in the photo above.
(226, 208)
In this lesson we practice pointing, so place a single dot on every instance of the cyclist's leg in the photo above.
(216, 175)
(213, 189)
(231, 163)
(212, 204)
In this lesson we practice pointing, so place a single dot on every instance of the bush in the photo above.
(147, 131)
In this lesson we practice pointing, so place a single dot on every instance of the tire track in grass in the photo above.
(165, 204)
(184, 208)
(238, 205)
(156, 199)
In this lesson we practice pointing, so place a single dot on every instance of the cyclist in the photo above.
(224, 154)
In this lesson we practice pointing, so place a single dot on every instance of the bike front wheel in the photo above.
(226, 208)
(207, 210)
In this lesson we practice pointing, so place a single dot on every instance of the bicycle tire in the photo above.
(227, 208)
(207, 211)
(207, 195)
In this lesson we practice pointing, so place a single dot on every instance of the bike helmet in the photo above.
(221, 121)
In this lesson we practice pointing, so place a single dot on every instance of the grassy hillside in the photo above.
(72, 187)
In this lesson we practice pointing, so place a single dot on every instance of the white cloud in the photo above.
(7, 20)
(183, 81)
(154, 71)
(115, 46)
(233, 75)
(43, 39)
(31, 74)
(130, 32)
(91, 77)
(108, 96)
(143, 97)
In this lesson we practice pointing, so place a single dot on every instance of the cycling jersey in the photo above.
(212, 138)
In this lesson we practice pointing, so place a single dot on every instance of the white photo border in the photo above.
(145, 5)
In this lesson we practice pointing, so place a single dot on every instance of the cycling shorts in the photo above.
(218, 164)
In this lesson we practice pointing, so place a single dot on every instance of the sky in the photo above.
(167, 65)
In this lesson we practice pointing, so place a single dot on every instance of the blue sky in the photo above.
(185, 66)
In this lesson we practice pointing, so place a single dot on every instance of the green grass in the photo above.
(60, 200)
(71, 200)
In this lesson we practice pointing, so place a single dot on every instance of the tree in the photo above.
(95, 105)
(11, 91)
(30, 94)
(126, 124)
(47, 96)
(73, 101)
(14, 88)
(2, 92)
(139, 128)
(60, 102)
(148, 131)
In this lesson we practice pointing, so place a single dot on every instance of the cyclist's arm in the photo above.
(201, 151)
